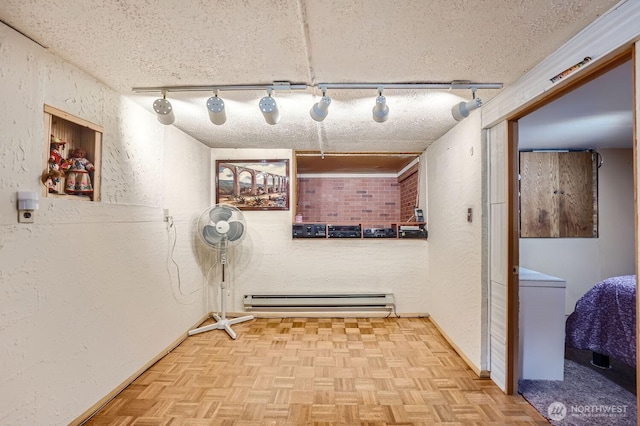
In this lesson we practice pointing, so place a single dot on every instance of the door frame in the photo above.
(615, 58)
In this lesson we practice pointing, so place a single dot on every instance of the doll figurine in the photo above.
(55, 169)
(78, 179)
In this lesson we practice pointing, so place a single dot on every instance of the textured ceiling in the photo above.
(129, 43)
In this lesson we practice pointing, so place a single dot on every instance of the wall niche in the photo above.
(377, 189)
(72, 157)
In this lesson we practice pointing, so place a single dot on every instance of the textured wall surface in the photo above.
(270, 261)
(454, 292)
(582, 262)
(86, 294)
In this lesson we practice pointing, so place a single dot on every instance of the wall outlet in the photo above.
(165, 213)
(26, 216)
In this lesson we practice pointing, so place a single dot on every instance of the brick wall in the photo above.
(408, 192)
(370, 200)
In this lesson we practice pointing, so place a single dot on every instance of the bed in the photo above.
(604, 321)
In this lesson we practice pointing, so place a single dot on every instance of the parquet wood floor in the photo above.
(316, 371)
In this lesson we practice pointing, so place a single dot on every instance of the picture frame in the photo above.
(253, 184)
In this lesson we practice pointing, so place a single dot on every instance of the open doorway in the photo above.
(596, 117)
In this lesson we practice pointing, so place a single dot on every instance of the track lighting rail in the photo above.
(411, 86)
(276, 86)
(286, 86)
(319, 111)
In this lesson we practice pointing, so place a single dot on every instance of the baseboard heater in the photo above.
(365, 301)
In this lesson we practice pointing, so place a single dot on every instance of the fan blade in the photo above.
(220, 213)
(236, 229)
(210, 235)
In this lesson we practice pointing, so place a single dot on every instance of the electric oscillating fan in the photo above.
(220, 227)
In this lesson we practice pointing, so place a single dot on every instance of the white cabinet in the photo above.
(542, 322)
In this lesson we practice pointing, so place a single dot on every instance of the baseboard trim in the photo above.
(84, 417)
(483, 374)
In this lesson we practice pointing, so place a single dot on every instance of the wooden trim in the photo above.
(293, 187)
(354, 153)
(636, 104)
(84, 417)
(513, 260)
(410, 172)
(46, 149)
(483, 374)
(611, 61)
(97, 161)
(72, 118)
(353, 163)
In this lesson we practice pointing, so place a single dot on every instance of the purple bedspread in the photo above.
(604, 320)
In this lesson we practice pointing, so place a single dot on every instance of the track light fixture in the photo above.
(269, 109)
(320, 109)
(463, 109)
(380, 109)
(215, 106)
(164, 110)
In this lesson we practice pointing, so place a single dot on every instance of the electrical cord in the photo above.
(173, 238)
(211, 292)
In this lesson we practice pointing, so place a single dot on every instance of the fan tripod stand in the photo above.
(222, 323)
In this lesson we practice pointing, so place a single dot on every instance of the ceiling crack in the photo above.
(307, 40)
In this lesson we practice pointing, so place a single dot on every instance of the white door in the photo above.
(497, 140)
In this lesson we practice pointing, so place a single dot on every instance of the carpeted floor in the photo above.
(583, 398)
(619, 373)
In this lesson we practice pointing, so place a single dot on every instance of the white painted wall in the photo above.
(454, 294)
(270, 261)
(85, 296)
(583, 262)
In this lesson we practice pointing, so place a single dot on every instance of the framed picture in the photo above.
(253, 184)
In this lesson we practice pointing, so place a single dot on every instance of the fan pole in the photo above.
(222, 323)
